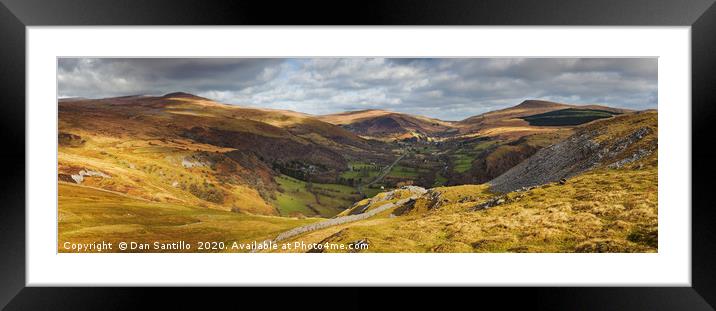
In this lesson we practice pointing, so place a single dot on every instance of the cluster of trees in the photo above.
(296, 169)
(349, 181)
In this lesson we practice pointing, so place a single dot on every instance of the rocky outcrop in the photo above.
(624, 143)
(80, 176)
(70, 140)
(435, 199)
(191, 163)
(502, 199)
(570, 157)
(578, 153)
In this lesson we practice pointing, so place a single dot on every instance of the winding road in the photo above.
(382, 174)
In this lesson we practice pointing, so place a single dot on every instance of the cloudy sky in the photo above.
(448, 88)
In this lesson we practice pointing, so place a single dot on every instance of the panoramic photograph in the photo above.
(357, 155)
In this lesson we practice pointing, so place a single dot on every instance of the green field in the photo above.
(467, 152)
(462, 162)
(426, 150)
(362, 170)
(400, 171)
(569, 116)
(325, 200)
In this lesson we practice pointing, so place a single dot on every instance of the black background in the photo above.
(16, 14)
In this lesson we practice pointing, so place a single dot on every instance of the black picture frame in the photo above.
(16, 15)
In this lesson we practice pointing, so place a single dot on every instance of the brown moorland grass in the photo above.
(89, 215)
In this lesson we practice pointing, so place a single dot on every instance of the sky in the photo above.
(444, 88)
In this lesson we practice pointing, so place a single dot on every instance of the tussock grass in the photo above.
(606, 210)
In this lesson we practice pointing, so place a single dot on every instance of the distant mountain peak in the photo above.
(534, 103)
(364, 111)
(183, 95)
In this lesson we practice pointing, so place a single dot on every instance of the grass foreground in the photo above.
(606, 210)
(88, 215)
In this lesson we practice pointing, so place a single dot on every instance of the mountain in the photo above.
(493, 142)
(183, 95)
(511, 122)
(184, 167)
(180, 147)
(185, 148)
(537, 104)
(389, 126)
(506, 122)
(607, 203)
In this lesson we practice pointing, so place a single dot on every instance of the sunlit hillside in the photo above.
(185, 149)
(183, 167)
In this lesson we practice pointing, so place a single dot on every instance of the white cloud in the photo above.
(443, 88)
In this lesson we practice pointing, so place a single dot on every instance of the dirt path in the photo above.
(337, 221)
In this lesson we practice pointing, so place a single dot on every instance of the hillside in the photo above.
(184, 148)
(567, 117)
(389, 126)
(87, 213)
(471, 151)
(511, 122)
(599, 211)
(181, 148)
(608, 205)
(506, 123)
(615, 142)
(181, 166)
